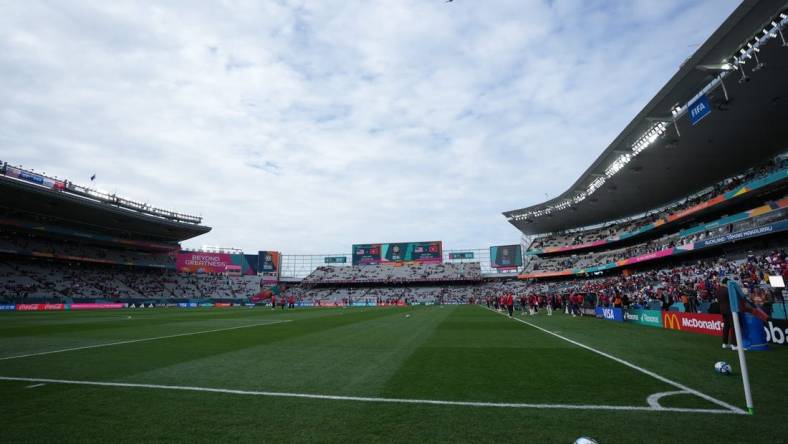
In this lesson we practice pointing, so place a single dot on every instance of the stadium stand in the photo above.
(28, 280)
(405, 273)
(689, 236)
(63, 242)
(774, 170)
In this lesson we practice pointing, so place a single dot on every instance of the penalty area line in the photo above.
(132, 341)
(366, 399)
(732, 408)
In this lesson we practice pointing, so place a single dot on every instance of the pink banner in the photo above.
(195, 262)
(100, 306)
(39, 307)
(646, 257)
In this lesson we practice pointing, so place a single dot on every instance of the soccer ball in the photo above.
(407, 315)
(585, 440)
(723, 367)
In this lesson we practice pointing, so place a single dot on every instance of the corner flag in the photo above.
(734, 293)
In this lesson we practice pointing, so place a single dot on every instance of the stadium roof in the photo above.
(655, 161)
(18, 196)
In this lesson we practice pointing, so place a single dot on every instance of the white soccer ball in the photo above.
(585, 440)
(723, 367)
(407, 315)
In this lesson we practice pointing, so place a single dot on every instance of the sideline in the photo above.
(367, 399)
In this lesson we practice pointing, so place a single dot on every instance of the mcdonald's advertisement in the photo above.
(708, 324)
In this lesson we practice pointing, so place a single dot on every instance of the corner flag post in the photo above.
(733, 294)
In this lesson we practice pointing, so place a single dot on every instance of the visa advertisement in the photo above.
(201, 262)
(397, 253)
(506, 256)
(610, 314)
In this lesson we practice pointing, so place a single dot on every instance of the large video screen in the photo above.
(421, 252)
(268, 261)
(506, 256)
(203, 262)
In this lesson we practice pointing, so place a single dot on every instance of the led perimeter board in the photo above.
(397, 253)
(506, 256)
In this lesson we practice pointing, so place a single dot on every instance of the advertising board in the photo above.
(204, 262)
(776, 331)
(396, 253)
(651, 318)
(610, 314)
(704, 323)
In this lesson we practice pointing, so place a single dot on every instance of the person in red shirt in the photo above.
(292, 301)
(510, 304)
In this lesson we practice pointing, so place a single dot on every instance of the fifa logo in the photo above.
(698, 109)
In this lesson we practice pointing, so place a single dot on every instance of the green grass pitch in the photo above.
(442, 374)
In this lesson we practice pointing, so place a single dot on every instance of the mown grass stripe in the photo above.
(132, 341)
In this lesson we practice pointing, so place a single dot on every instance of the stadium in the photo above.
(603, 320)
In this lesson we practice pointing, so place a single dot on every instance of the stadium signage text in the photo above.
(651, 318)
(777, 331)
(699, 109)
(610, 314)
(709, 324)
(759, 231)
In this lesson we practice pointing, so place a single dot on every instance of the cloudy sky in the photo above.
(306, 126)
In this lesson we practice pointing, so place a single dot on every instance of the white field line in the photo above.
(367, 399)
(132, 341)
(32, 386)
(653, 399)
(683, 387)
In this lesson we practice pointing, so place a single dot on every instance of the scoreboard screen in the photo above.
(335, 260)
(506, 256)
(461, 255)
(421, 252)
(268, 261)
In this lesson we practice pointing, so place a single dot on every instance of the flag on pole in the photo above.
(739, 302)
(734, 293)
(93, 177)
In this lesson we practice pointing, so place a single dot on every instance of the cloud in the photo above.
(308, 126)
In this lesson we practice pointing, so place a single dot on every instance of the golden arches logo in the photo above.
(671, 321)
